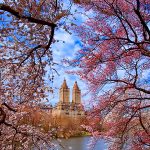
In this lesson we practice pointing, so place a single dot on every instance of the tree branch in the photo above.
(141, 122)
(30, 19)
(2, 116)
(10, 108)
(137, 11)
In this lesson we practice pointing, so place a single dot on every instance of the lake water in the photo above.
(80, 143)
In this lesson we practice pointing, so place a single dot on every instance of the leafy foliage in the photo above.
(115, 62)
(27, 30)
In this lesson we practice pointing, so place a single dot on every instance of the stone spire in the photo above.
(75, 87)
(76, 94)
(64, 93)
(64, 85)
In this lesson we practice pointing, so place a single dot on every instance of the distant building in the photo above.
(64, 107)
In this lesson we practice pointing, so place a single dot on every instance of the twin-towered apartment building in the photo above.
(65, 107)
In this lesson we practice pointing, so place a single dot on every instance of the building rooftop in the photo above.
(64, 85)
(75, 87)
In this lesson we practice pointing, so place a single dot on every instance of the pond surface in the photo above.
(79, 143)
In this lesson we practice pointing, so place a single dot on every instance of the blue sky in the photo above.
(61, 50)
(67, 47)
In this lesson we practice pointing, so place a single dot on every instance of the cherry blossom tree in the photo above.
(115, 62)
(27, 30)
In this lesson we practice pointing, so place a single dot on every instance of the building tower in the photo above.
(64, 93)
(76, 94)
(64, 107)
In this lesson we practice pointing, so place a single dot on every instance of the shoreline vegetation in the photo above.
(67, 135)
(59, 126)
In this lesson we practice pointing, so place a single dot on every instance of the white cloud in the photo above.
(60, 51)
(67, 49)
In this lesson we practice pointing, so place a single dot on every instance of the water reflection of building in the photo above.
(66, 108)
